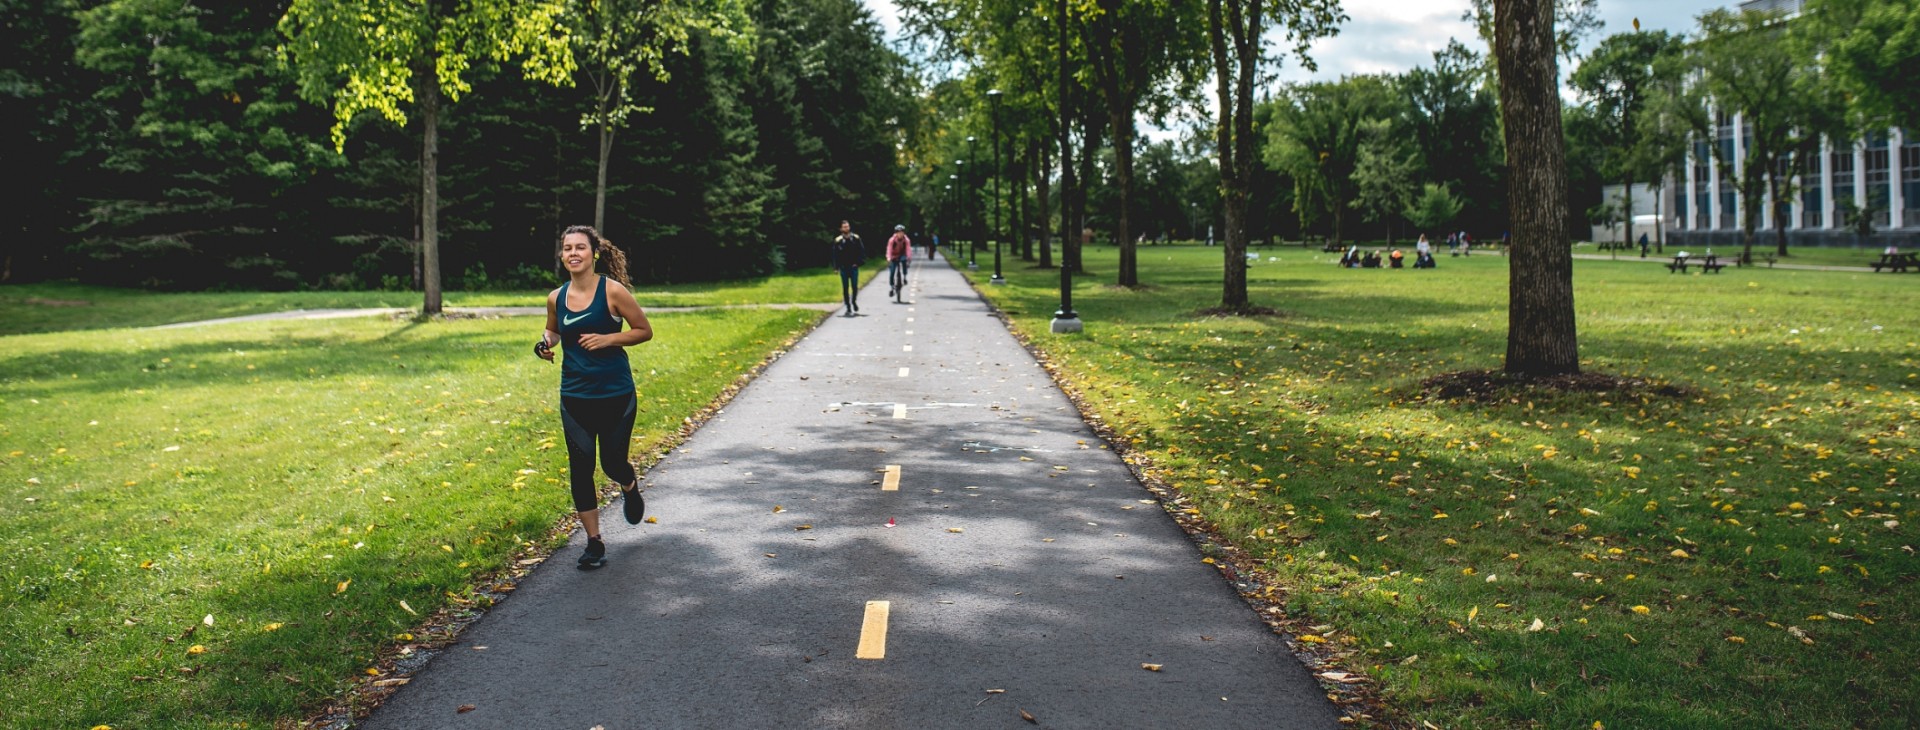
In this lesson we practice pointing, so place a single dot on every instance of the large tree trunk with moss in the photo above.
(1540, 317)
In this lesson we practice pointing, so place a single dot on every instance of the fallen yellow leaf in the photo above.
(1642, 610)
(1150, 667)
(196, 649)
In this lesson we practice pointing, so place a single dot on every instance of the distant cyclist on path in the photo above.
(899, 252)
(848, 255)
(597, 403)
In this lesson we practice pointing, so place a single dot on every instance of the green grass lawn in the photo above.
(1740, 555)
(60, 306)
(220, 526)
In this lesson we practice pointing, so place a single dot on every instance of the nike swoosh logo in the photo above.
(571, 320)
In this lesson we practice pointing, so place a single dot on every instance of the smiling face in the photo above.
(576, 253)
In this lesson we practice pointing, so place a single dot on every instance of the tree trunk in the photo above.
(1123, 173)
(1044, 195)
(1626, 199)
(430, 187)
(600, 187)
(1089, 151)
(1780, 215)
(1541, 339)
(1231, 89)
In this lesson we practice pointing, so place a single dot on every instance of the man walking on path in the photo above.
(848, 255)
(899, 251)
(849, 544)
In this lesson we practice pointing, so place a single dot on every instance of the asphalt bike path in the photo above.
(902, 523)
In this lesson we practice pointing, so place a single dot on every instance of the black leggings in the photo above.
(610, 421)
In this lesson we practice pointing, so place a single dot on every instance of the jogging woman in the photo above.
(597, 402)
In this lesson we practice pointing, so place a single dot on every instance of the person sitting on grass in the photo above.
(1395, 256)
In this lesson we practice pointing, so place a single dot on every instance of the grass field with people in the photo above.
(224, 526)
(1728, 543)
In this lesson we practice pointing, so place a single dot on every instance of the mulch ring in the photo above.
(1488, 386)
(1243, 311)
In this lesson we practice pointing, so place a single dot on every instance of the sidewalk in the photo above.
(1015, 554)
(1663, 259)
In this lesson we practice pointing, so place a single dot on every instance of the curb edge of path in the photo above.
(440, 630)
(1358, 701)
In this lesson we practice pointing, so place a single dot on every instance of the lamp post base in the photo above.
(1065, 323)
(971, 266)
(997, 280)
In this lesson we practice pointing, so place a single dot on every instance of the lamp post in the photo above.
(973, 229)
(993, 95)
(947, 213)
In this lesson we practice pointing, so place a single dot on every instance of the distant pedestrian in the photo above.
(597, 402)
(1643, 245)
(848, 254)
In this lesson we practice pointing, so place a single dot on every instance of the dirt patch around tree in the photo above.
(1487, 386)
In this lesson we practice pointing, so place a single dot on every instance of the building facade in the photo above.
(1880, 172)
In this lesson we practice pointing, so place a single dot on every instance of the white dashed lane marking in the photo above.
(891, 482)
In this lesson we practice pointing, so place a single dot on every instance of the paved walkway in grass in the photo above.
(901, 523)
(1668, 258)
(455, 311)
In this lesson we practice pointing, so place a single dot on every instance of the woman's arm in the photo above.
(551, 336)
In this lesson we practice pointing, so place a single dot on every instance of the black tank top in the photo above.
(603, 373)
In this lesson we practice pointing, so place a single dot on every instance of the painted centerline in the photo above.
(903, 372)
(873, 631)
(906, 348)
(899, 410)
(891, 482)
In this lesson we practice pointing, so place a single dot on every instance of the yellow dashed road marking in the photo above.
(873, 632)
(891, 483)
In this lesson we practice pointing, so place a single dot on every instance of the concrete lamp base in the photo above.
(973, 266)
(1066, 326)
(996, 281)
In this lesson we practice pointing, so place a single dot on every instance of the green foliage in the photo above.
(1871, 49)
(1315, 138)
(1383, 176)
(370, 56)
(1451, 115)
(1433, 208)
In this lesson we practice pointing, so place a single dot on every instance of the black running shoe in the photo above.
(595, 555)
(634, 505)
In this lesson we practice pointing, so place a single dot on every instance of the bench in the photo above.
(1897, 263)
(1767, 257)
(1678, 265)
(1332, 247)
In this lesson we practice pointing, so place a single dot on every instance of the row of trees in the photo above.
(335, 143)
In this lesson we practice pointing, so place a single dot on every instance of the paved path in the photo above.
(1663, 259)
(1016, 554)
(457, 311)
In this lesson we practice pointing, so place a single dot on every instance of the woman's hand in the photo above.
(593, 342)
